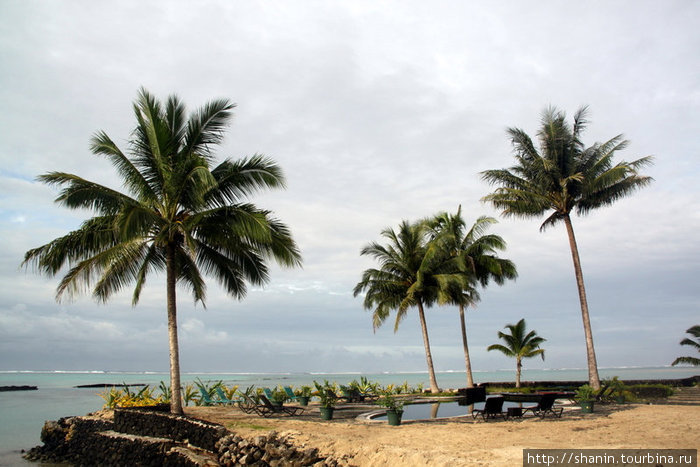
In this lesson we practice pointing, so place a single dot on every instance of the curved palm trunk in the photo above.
(467, 361)
(428, 356)
(518, 370)
(593, 378)
(175, 399)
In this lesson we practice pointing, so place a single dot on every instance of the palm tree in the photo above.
(410, 275)
(519, 345)
(479, 258)
(179, 213)
(564, 176)
(695, 332)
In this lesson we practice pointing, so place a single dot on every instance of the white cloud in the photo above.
(377, 112)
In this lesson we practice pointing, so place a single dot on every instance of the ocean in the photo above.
(22, 413)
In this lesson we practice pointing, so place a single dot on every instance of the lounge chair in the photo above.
(206, 400)
(281, 409)
(544, 406)
(268, 393)
(248, 405)
(223, 399)
(290, 393)
(493, 407)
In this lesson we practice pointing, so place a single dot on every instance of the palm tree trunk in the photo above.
(518, 370)
(467, 361)
(593, 378)
(175, 399)
(428, 356)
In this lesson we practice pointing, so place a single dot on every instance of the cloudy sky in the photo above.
(377, 112)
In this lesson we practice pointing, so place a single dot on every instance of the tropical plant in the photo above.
(405, 388)
(390, 401)
(127, 398)
(365, 386)
(165, 391)
(478, 253)
(519, 345)
(614, 390)
(695, 361)
(279, 395)
(230, 391)
(585, 393)
(326, 392)
(410, 275)
(303, 391)
(564, 176)
(251, 392)
(189, 394)
(182, 215)
(208, 387)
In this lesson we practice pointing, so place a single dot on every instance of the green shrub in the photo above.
(651, 391)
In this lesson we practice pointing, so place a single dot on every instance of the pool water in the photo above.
(427, 411)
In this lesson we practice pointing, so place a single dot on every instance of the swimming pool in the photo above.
(434, 410)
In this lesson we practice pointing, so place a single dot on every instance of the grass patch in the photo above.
(250, 426)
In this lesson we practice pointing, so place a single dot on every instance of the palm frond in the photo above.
(237, 180)
(206, 127)
(80, 193)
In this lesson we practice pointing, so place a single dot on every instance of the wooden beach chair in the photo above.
(544, 406)
(493, 407)
(248, 405)
(281, 409)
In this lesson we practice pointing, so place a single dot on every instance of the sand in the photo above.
(475, 443)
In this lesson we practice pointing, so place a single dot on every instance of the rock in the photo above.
(259, 441)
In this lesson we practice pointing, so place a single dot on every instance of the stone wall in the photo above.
(270, 450)
(141, 438)
(165, 425)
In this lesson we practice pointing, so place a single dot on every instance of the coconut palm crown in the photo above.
(692, 343)
(479, 258)
(562, 177)
(178, 213)
(411, 274)
(519, 345)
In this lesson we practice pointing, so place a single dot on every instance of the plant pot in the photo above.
(303, 400)
(586, 406)
(394, 417)
(326, 413)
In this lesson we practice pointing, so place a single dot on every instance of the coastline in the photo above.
(57, 397)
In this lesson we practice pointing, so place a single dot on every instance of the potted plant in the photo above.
(585, 396)
(303, 395)
(618, 390)
(328, 397)
(279, 396)
(394, 408)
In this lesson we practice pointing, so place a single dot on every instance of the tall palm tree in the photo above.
(410, 275)
(695, 332)
(479, 254)
(564, 176)
(519, 345)
(178, 213)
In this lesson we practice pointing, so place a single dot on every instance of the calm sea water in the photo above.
(22, 413)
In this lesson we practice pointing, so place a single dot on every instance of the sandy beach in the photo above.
(475, 443)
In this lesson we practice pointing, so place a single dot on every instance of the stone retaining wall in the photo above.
(140, 437)
(165, 425)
